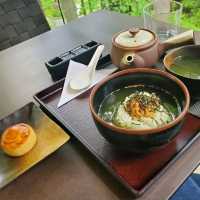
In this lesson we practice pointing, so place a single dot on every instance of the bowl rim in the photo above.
(140, 131)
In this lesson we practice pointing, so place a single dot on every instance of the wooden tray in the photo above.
(136, 173)
(49, 138)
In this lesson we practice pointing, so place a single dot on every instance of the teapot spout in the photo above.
(131, 60)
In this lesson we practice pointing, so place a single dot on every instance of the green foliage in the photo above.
(190, 17)
(191, 14)
(50, 8)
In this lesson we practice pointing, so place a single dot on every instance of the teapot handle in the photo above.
(177, 40)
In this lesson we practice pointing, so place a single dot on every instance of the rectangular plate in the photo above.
(49, 138)
(131, 170)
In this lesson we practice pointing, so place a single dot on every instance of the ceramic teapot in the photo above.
(140, 47)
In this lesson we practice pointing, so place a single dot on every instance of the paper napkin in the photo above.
(73, 69)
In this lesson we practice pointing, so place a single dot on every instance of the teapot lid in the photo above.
(134, 37)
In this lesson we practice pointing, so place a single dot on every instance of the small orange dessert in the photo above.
(18, 139)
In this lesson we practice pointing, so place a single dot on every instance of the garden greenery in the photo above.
(190, 17)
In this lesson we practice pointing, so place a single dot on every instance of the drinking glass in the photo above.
(163, 17)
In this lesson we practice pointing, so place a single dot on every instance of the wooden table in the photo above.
(71, 172)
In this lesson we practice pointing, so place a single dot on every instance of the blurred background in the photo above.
(72, 9)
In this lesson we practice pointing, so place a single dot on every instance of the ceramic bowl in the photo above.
(139, 141)
(189, 51)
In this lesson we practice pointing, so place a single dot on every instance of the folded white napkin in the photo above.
(74, 68)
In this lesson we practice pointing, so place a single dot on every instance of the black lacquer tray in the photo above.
(131, 170)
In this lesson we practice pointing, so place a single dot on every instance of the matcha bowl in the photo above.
(184, 63)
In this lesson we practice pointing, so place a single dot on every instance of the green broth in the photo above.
(112, 101)
(187, 67)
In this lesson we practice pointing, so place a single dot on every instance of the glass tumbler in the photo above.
(163, 17)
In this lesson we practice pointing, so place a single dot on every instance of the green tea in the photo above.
(187, 67)
(112, 107)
